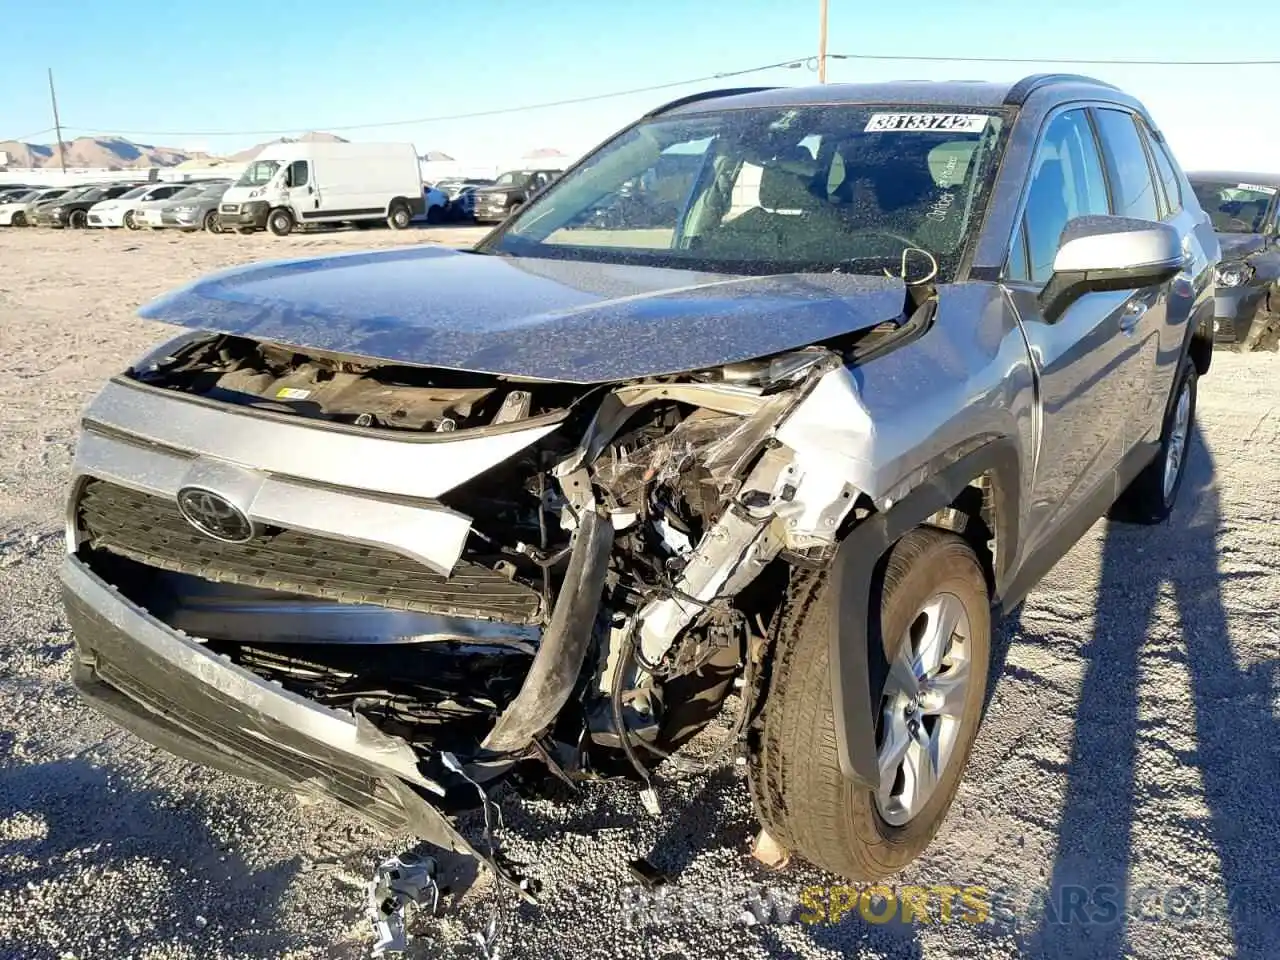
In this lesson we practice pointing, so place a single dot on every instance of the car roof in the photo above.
(1235, 176)
(969, 93)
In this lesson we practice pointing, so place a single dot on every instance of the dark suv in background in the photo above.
(1245, 210)
(509, 192)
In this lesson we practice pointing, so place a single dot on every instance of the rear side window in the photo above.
(1168, 174)
(1133, 190)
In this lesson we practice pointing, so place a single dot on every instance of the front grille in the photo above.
(151, 530)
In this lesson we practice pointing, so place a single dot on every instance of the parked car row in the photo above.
(287, 186)
(492, 201)
(133, 206)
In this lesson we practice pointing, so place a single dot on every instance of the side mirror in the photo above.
(1109, 253)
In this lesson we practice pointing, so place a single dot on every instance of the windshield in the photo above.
(774, 190)
(1235, 207)
(25, 197)
(135, 192)
(511, 178)
(94, 193)
(213, 189)
(258, 173)
(186, 193)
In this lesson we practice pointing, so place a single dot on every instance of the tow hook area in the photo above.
(413, 878)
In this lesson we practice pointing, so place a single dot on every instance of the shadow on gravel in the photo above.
(1237, 747)
(123, 867)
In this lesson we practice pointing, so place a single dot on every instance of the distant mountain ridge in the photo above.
(313, 137)
(120, 153)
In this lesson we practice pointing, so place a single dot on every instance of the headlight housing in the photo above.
(55, 210)
(1233, 274)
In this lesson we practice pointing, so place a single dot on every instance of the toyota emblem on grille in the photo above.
(215, 516)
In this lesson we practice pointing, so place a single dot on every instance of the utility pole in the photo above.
(822, 41)
(57, 124)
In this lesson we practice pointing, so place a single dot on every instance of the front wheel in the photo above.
(931, 639)
(435, 214)
(19, 219)
(131, 221)
(399, 217)
(78, 220)
(1149, 499)
(211, 222)
(280, 222)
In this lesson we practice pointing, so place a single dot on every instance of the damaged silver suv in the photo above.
(781, 391)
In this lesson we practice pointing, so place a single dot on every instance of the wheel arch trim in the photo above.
(855, 567)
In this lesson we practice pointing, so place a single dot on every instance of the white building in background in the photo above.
(188, 170)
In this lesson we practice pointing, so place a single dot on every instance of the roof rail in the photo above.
(1023, 89)
(705, 95)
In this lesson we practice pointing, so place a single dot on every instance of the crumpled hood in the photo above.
(1237, 246)
(525, 317)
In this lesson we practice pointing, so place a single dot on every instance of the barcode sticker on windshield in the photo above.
(1258, 187)
(926, 122)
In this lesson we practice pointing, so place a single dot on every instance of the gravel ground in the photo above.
(1132, 743)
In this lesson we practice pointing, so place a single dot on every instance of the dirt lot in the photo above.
(1131, 752)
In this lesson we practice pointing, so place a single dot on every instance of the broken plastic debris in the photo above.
(769, 852)
(396, 882)
(649, 797)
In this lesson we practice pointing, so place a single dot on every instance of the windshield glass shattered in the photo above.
(775, 190)
(1235, 207)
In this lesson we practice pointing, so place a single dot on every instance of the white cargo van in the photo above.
(288, 184)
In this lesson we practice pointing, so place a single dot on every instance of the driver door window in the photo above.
(298, 175)
(1066, 182)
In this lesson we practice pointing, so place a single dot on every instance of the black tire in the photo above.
(131, 221)
(280, 222)
(800, 795)
(19, 219)
(211, 223)
(435, 214)
(78, 219)
(399, 216)
(1147, 500)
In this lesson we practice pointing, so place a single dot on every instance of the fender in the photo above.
(854, 666)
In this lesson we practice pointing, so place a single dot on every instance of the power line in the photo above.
(28, 136)
(793, 64)
(1110, 62)
(810, 63)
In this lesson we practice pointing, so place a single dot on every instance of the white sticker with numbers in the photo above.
(926, 122)
(1259, 188)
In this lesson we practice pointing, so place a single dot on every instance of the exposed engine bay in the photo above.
(617, 574)
(342, 390)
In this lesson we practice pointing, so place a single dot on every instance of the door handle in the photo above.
(1133, 312)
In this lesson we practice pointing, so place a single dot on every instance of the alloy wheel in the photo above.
(921, 707)
(1176, 445)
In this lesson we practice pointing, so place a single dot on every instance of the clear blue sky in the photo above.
(171, 71)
